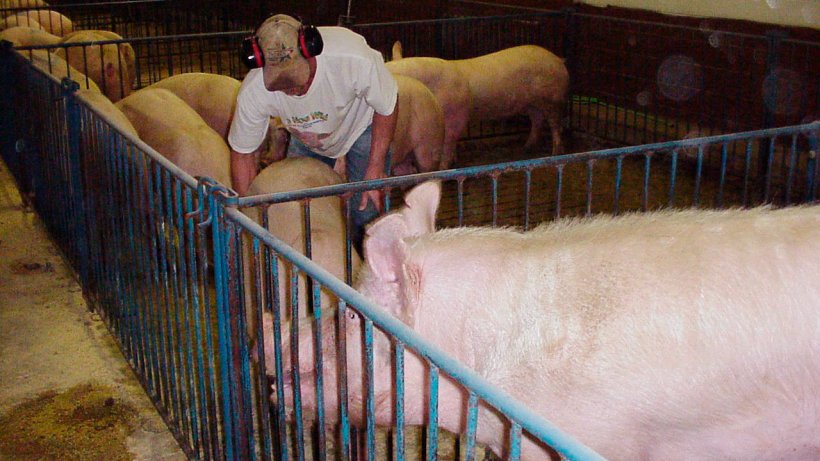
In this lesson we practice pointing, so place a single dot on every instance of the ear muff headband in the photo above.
(309, 39)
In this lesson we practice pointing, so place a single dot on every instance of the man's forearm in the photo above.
(383, 128)
(243, 171)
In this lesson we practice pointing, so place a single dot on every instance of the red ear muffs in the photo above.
(252, 55)
(310, 45)
(310, 41)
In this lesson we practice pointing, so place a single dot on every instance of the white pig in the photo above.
(28, 36)
(166, 123)
(51, 21)
(419, 128)
(677, 335)
(418, 139)
(56, 66)
(213, 96)
(108, 110)
(519, 80)
(285, 220)
(111, 66)
(14, 21)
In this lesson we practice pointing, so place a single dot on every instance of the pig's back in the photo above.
(662, 336)
(525, 75)
(212, 96)
(166, 123)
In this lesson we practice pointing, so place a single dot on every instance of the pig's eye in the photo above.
(351, 315)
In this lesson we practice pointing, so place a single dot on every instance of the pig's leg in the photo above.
(554, 120)
(454, 128)
(427, 158)
(536, 115)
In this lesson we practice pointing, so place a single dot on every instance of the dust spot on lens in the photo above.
(680, 78)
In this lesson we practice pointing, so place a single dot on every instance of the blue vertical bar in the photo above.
(460, 195)
(432, 408)
(698, 175)
(400, 426)
(371, 391)
(472, 423)
(220, 244)
(494, 178)
(792, 166)
(319, 370)
(515, 442)
(341, 348)
(747, 172)
(590, 167)
(77, 220)
(527, 193)
(724, 157)
(647, 169)
(811, 168)
(618, 174)
(273, 293)
(672, 176)
(294, 361)
(559, 186)
(262, 290)
(769, 169)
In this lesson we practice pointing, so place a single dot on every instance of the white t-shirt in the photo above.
(351, 82)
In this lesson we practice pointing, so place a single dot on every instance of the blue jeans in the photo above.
(356, 166)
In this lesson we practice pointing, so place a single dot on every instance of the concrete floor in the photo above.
(50, 343)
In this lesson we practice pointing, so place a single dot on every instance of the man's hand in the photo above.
(374, 195)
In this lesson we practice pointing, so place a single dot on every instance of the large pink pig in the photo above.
(111, 66)
(419, 128)
(520, 80)
(166, 123)
(285, 220)
(683, 335)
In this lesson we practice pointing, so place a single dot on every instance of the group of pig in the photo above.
(659, 336)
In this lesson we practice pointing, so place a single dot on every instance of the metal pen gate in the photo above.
(154, 253)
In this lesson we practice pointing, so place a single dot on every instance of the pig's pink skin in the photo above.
(419, 128)
(285, 221)
(663, 336)
(451, 90)
(28, 36)
(212, 96)
(166, 123)
(117, 63)
(520, 80)
(51, 21)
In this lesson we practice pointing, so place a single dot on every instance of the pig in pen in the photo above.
(659, 184)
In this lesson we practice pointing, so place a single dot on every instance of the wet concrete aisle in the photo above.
(66, 392)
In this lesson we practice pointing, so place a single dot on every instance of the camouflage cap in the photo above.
(278, 39)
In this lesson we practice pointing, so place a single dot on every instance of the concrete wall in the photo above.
(800, 13)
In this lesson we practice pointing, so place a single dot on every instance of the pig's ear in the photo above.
(384, 248)
(397, 51)
(421, 206)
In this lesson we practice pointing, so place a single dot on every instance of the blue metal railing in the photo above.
(156, 252)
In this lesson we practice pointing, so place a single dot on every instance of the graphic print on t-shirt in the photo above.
(304, 128)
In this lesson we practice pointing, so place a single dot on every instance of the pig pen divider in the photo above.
(402, 337)
(136, 18)
(631, 82)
